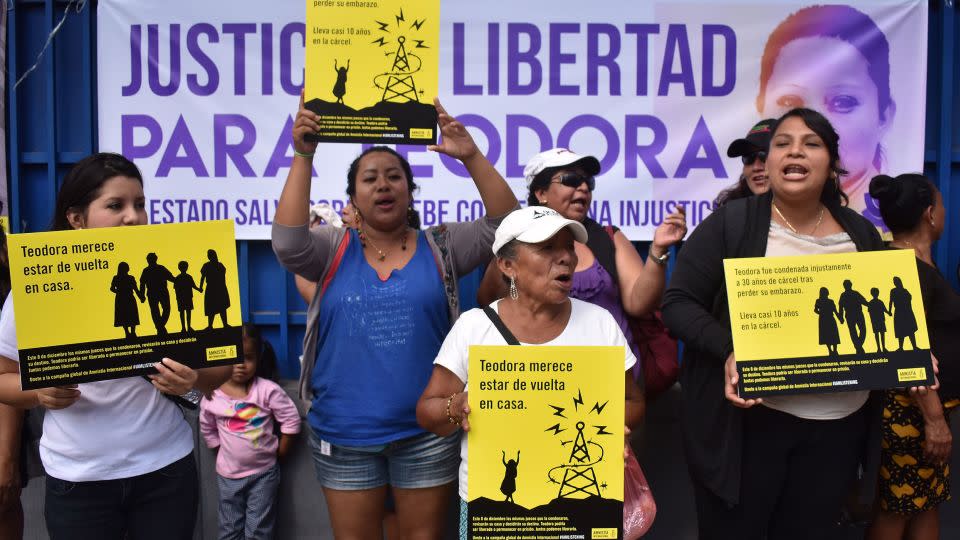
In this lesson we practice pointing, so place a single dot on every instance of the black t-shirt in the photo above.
(942, 306)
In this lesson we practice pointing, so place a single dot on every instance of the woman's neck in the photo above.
(534, 321)
(385, 237)
(919, 241)
(802, 217)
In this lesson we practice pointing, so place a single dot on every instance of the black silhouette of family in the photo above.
(153, 289)
(851, 304)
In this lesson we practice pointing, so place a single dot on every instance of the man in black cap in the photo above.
(752, 150)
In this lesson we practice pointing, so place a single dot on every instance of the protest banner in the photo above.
(827, 323)
(545, 444)
(97, 304)
(203, 98)
(372, 69)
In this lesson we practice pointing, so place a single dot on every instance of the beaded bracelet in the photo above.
(301, 154)
(450, 418)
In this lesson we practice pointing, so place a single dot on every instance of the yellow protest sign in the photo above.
(372, 70)
(545, 444)
(106, 303)
(826, 323)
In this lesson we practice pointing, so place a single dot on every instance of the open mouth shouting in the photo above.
(795, 172)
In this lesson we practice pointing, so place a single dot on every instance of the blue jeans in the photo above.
(160, 505)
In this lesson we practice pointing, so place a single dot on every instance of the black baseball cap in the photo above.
(758, 140)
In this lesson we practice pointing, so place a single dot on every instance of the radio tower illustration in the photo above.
(400, 87)
(578, 476)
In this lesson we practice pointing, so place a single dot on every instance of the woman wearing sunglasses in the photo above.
(752, 151)
(609, 272)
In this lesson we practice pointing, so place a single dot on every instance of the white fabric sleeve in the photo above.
(8, 331)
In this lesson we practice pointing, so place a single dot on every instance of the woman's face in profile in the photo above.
(830, 76)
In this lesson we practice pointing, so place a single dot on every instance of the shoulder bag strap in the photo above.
(498, 322)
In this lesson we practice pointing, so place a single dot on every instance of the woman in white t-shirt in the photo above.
(118, 454)
(535, 252)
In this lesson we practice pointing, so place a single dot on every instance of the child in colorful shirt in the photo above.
(239, 420)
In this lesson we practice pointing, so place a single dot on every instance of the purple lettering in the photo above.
(598, 123)
(516, 57)
(609, 61)
(290, 87)
(235, 151)
(153, 60)
(643, 32)
(648, 152)
(710, 31)
(558, 58)
(193, 47)
(128, 145)
(701, 138)
(460, 85)
(677, 44)
(493, 59)
(516, 122)
(282, 155)
(493, 142)
(419, 171)
(266, 59)
(136, 71)
(239, 31)
(181, 138)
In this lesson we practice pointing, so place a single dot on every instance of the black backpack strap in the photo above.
(600, 242)
(498, 322)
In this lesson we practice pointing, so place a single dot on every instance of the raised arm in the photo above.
(642, 283)
(456, 142)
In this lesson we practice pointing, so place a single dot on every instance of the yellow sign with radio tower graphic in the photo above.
(372, 70)
(545, 446)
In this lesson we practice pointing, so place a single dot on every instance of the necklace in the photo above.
(794, 229)
(382, 255)
(907, 242)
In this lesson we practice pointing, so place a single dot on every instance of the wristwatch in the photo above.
(662, 259)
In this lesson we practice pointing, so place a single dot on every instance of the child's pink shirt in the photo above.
(243, 428)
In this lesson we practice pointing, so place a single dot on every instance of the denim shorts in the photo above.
(421, 461)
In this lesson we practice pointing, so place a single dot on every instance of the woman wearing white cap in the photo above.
(609, 271)
(536, 254)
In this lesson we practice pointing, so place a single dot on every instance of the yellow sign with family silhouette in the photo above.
(98, 304)
(828, 323)
(372, 70)
(546, 439)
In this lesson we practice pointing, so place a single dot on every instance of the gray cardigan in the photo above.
(458, 248)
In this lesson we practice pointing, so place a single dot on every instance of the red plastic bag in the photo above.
(639, 508)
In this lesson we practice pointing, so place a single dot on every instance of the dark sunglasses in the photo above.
(573, 180)
(750, 158)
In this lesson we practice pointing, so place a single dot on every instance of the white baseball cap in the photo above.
(535, 224)
(558, 157)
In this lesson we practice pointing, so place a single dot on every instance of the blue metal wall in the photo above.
(51, 124)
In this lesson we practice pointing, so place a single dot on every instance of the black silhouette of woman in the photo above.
(827, 310)
(126, 313)
(216, 299)
(509, 484)
(904, 321)
(340, 87)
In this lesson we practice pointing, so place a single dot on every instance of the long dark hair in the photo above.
(266, 356)
(902, 200)
(413, 217)
(82, 184)
(740, 190)
(832, 192)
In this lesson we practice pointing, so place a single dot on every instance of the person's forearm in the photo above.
(12, 395)
(634, 410)
(294, 206)
(647, 290)
(11, 422)
(432, 416)
(209, 379)
(498, 198)
(930, 407)
(286, 443)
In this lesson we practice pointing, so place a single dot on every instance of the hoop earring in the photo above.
(514, 293)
